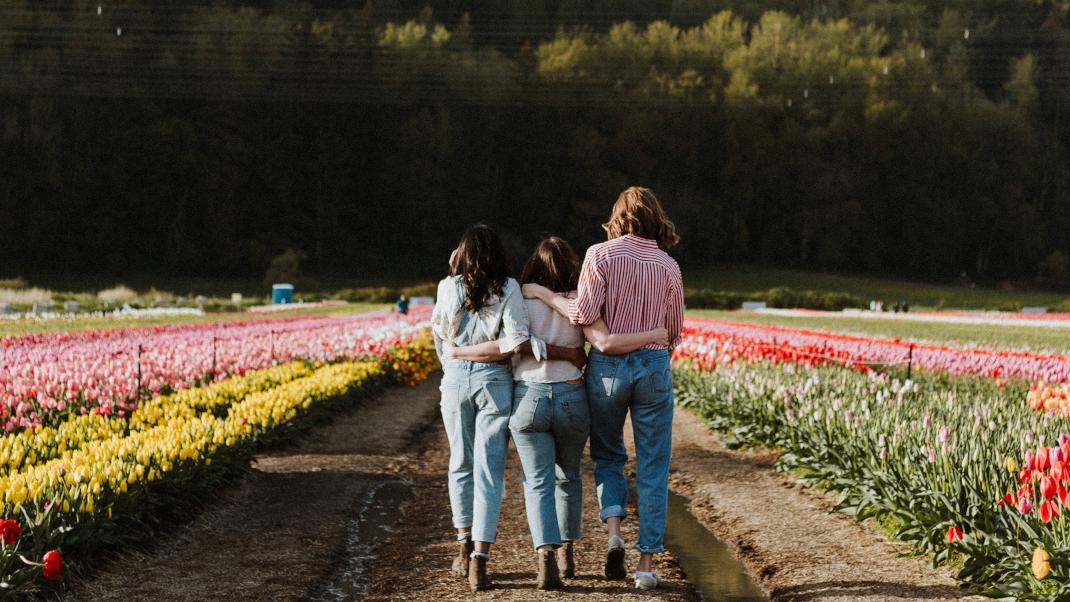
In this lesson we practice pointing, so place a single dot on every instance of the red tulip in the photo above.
(953, 534)
(1048, 488)
(9, 532)
(1040, 460)
(53, 562)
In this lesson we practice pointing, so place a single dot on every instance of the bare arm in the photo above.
(616, 344)
(490, 352)
(547, 296)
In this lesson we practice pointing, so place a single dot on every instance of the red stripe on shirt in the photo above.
(632, 284)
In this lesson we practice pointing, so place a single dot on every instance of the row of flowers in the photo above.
(46, 377)
(956, 466)
(710, 342)
(167, 452)
(1053, 399)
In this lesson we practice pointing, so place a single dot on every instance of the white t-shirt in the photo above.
(552, 328)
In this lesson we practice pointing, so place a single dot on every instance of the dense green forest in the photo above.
(922, 138)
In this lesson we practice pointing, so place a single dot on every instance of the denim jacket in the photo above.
(503, 318)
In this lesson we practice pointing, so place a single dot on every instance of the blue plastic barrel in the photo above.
(282, 293)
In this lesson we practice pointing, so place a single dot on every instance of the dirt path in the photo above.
(786, 535)
(281, 532)
(416, 564)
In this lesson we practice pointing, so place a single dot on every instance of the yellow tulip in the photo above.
(1041, 563)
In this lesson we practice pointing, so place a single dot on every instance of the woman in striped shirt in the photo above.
(630, 282)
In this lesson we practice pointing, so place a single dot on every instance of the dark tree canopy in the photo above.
(918, 138)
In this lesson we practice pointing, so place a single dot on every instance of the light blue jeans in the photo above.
(549, 425)
(477, 400)
(639, 382)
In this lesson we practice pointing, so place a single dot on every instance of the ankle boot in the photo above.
(477, 574)
(566, 562)
(460, 562)
(548, 578)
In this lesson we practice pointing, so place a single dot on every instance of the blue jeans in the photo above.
(477, 399)
(639, 382)
(549, 425)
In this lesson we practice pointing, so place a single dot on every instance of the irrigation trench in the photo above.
(358, 508)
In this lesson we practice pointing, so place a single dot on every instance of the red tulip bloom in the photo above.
(1040, 460)
(1024, 474)
(953, 534)
(1008, 499)
(9, 532)
(1048, 488)
(53, 562)
(1045, 511)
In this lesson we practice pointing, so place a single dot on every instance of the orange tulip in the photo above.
(1041, 563)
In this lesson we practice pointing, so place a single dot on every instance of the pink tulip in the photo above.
(1025, 505)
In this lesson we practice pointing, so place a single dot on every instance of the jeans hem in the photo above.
(483, 537)
(613, 512)
(648, 550)
(462, 525)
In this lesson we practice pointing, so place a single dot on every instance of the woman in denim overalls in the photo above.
(478, 303)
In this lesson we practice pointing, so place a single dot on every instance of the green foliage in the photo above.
(774, 297)
(840, 136)
(918, 456)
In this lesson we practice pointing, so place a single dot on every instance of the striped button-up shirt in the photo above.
(634, 285)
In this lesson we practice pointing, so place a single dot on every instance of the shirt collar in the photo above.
(640, 240)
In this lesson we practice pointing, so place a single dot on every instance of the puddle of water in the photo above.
(708, 562)
(374, 525)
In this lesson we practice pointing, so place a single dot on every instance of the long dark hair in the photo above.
(482, 265)
(554, 265)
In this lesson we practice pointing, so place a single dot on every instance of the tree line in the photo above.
(920, 138)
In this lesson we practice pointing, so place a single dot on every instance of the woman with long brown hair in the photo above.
(476, 303)
(551, 418)
(632, 284)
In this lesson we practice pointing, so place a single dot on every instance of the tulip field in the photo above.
(110, 430)
(967, 458)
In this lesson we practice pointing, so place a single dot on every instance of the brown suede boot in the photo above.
(548, 578)
(477, 574)
(460, 562)
(566, 562)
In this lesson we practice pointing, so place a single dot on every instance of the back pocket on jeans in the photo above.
(497, 398)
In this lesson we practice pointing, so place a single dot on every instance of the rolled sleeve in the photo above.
(586, 308)
(516, 327)
(444, 317)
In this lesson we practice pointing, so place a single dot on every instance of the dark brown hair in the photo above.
(482, 265)
(638, 212)
(554, 265)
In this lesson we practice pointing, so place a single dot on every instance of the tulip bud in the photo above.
(1041, 564)
(1012, 466)
(1025, 505)
(953, 534)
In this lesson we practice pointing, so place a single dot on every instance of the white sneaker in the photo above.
(645, 581)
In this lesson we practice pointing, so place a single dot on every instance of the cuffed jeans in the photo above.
(477, 400)
(549, 426)
(641, 383)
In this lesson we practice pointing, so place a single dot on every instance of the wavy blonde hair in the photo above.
(638, 212)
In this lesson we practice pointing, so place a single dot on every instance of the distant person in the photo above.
(632, 283)
(402, 305)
